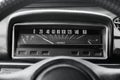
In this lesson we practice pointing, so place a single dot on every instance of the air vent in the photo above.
(117, 23)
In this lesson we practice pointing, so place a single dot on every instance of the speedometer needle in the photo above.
(45, 39)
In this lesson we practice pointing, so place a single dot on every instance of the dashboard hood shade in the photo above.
(9, 6)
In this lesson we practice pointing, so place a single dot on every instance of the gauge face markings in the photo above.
(59, 36)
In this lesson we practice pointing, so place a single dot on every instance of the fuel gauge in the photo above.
(93, 41)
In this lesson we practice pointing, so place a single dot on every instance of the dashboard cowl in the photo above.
(60, 16)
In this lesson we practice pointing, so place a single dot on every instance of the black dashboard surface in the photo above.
(62, 30)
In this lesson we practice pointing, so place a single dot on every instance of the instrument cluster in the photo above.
(46, 40)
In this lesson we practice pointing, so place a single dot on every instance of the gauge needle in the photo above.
(45, 39)
(71, 36)
(23, 40)
(80, 36)
(89, 41)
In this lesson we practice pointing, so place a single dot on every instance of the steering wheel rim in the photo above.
(95, 72)
(9, 6)
(34, 71)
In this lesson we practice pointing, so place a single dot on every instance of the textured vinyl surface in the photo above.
(9, 6)
(111, 5)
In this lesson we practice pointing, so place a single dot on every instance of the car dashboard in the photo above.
(79, 30)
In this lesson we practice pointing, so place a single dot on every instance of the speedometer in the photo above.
(61, 37)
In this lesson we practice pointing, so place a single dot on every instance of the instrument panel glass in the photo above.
(64, 35)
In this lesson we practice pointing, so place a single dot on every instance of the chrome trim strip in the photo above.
(84, 10)
(29, 64)
(15, 63)
(105, 50)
